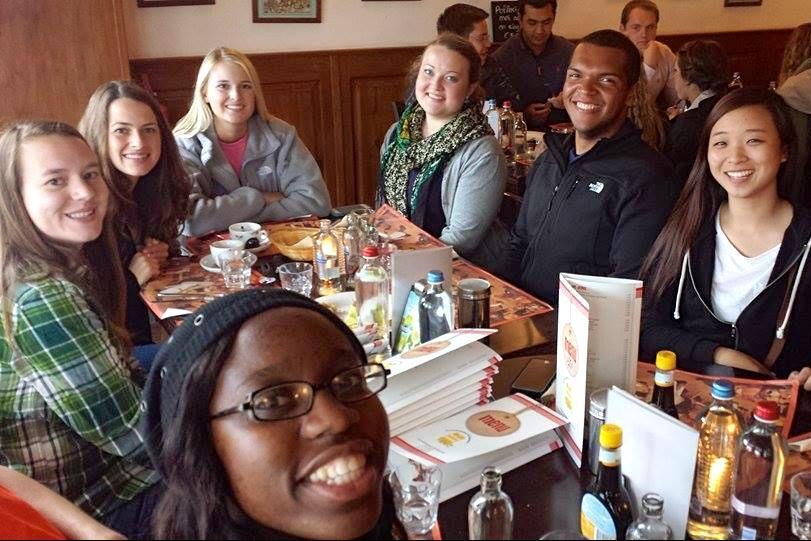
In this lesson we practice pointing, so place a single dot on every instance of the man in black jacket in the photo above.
(595, 200)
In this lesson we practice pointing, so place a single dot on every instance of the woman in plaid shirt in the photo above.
(70, 393)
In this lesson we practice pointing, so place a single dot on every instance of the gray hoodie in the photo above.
(275, 160)
(796, 91)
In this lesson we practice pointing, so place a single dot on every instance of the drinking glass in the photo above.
(416, 496)
(801, 505)
(236, 272)
(297, 277)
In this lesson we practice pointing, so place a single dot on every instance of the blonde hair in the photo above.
(199, 117)
(798, 50)
(26, 253)
(158, 204)
(645, 116)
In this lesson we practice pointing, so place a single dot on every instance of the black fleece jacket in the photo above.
(598, 215)
(695, 336)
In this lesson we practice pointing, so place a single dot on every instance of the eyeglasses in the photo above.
(294, 399)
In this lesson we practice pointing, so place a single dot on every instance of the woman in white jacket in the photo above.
(244, 163)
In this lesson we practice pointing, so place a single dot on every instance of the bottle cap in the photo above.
(370, 251)
(610, 436)
(767, 410)
(722, 389)
(597, 403)
(665, 360)
(506, 103)
(435, 277)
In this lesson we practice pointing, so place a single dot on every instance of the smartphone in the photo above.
(537, 377)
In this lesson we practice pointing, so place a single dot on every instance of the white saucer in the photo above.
(209, 264)
(264, 245)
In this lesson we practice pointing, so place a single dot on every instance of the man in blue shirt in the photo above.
(530, 67)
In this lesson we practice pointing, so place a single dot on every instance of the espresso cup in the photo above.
(221, 247)
(243, 231)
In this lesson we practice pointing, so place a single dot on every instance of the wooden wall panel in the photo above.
(340, 101)
(55, 54)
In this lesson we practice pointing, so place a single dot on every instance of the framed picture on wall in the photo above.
(736, 3)
(163, 3)
(286, 11)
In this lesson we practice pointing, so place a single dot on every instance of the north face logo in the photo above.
(596, 187)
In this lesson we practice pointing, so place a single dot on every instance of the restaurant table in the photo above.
(524, 322)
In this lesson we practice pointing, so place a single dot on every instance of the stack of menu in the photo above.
(438, 379)
(507, 434)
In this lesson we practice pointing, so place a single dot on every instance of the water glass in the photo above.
(297, 277)
(801, 505)
(416, 496)
(236, 271)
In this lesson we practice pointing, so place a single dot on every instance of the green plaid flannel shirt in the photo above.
(69, 402)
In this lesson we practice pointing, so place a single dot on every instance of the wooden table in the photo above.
(523, 321)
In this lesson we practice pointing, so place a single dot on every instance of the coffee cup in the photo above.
(243, 231)
(220, 247)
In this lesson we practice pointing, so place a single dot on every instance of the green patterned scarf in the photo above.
(409, 151)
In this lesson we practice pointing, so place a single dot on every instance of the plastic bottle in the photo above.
(507, 128)
(605, 510)
(436, 308)
(720, 429)
(759, 470)
(664, 386)
(519, 135)
(650, 525)
(353, 244)
(326, 260)
(493, 117)
(490, 512)
(372, 300)
(736, 81)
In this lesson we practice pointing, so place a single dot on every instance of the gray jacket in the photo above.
(275, 160)
(472, 187)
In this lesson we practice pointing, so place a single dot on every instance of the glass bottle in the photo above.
(493, 115)
(353, 244)
(326, 260)
(720, 429)
(758, 485)
(520, 135)
(736, 81)
(372, 300)
(436, 308)
(507, 128)
(490, 513)
(605, 510)
(664, 387)
(650, 525)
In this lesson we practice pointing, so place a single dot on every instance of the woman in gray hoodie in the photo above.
(244, 163)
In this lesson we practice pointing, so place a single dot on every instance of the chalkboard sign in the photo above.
(505, 19)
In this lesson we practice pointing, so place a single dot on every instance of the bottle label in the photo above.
(755, 511)
(664, 379)
(748, 533)
(595, 520)
(609, 457)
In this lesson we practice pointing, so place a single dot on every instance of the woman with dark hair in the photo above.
(262, 432)
(440, 164)
(726, 280)
(700, 80)
(124, 126)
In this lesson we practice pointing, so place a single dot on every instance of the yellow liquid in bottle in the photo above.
(710, 504)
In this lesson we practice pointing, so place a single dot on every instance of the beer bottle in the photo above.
(605, 510)
(664, 389)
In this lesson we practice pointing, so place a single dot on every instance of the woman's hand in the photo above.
(144, 267)
(157, 250)
(737, 359)
(803, 377)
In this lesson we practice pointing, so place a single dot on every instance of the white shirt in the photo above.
(701, 97)
(737, 279)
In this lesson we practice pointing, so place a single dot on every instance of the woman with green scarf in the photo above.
(440, 164)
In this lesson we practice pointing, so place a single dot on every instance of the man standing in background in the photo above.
(639, 22)
(468, 22)
(530, 67)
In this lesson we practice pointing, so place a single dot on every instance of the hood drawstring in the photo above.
(781, 330)
(676, 314)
